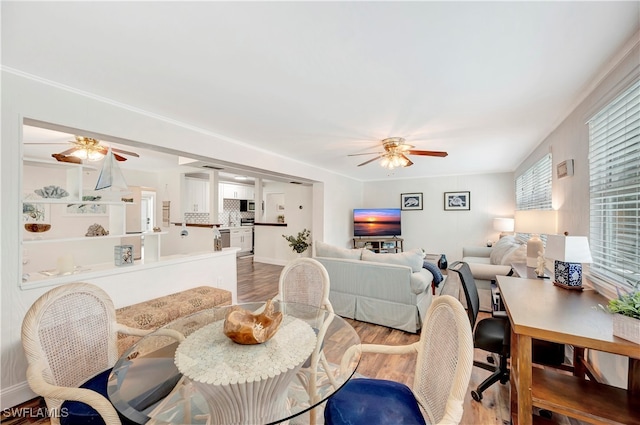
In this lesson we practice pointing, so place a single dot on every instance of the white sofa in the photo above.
(488, 262)
(386, 289)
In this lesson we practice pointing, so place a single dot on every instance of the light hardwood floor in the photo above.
(259, 282)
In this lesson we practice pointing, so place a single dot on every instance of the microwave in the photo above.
(246, 205)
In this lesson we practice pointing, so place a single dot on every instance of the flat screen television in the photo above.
(376, 222)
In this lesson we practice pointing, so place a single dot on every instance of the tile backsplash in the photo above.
(229, 216)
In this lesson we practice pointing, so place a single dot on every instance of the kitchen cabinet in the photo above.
(242, 238)
(70, 217)
(237, 191)
(197, 195)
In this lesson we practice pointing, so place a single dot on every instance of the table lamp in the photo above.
(504, 225)
(535, 222)
(569, 252)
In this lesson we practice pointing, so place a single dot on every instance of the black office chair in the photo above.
(492, 334)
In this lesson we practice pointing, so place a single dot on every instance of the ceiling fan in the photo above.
(86, 148)
(91, 149)
(395, 153)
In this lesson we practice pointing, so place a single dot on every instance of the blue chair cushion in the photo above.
(78, 413)
(373, 401)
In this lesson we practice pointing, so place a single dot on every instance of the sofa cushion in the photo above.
(413, 258)
(331, 251)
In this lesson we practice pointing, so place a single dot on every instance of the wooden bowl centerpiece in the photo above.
(244, 327)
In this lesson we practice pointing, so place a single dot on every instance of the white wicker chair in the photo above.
(306, 281)
(443, 371)
(69, 335)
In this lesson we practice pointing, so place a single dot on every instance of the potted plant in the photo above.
(299, 243)
(626, 315)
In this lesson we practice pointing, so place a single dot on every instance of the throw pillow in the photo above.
(330, 251)
(517, 255)
(501, 248)
(411, 258)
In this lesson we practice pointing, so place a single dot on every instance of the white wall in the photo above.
(445, 232)
(570, 140)
(23, 97)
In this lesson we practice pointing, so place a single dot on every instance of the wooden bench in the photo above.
(157, 312)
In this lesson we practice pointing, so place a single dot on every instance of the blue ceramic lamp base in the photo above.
(568, 275)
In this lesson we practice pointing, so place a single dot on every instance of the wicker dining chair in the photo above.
(306, 281)
(443, 370)
(69, 336)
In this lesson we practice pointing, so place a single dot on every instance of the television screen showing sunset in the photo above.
(376, 222)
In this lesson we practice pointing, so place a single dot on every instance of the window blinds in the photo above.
(614, 165)
(533, 187)
(533, 190)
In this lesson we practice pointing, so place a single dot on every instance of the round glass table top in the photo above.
(189, 371)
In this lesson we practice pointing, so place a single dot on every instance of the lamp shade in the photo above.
(503, 224)
(541, 222)
(570, 249)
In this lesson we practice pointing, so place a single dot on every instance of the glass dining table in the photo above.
(190, 372)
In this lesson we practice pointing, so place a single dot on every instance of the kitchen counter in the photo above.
(272, 224)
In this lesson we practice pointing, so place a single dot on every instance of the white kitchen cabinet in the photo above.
(197, 199)
(242, 238)
(237, 191)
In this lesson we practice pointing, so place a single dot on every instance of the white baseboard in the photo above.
(15, 395)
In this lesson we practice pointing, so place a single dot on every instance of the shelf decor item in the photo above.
(299, 243)
(37, 227)
(123, 255)
(55, 192)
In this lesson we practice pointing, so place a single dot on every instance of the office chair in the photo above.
(492, 334)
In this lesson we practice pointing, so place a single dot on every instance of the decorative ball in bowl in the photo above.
(37, 227)
(244, 327)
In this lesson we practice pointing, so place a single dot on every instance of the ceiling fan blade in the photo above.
(428, 153)
(371, 160)
(365, 153)
(125, 152)
(68, 151)
(409, 162)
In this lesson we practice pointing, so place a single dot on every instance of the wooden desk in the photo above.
(538, 309)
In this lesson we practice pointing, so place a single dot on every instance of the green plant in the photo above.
(299, 243)
(625, 304)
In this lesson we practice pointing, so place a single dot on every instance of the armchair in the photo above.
(488, 262)
(443, 371)
(69, 336)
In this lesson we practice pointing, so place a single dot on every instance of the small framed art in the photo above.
(123, 255)
(411, 201)
(457, 201)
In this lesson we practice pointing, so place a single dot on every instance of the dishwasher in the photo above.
(226, 237)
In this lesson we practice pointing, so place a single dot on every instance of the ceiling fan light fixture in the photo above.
(89, 154)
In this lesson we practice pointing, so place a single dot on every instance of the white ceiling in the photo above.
(316, 81)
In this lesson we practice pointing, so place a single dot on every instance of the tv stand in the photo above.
(380, 244)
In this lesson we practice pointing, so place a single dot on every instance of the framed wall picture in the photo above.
(411, 201)
(457, 201)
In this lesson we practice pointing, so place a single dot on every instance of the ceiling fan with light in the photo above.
(395, 153)
(89, 149)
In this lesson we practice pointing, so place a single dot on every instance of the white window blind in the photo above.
(533, 191)
(533, 187)
(614, 165)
